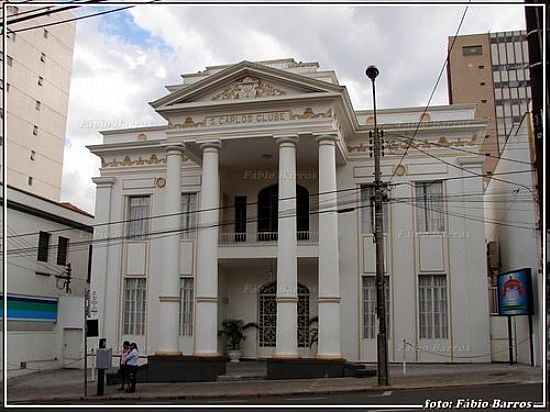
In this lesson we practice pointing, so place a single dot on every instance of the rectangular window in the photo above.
(40, 81)
(29, 180)
(476, 50)
(62, 246)
(43, 57)
(188, 215)
(10, 61)
(133, 320)
(35, 130)
(138, 217)
(186, 306)
(433, 306)
(89, 275)
(45, 33)
(429, 206)
(240, 218)
(43, 246)
(367, 210)
(33, 155)
(370, 325)
(38, 105)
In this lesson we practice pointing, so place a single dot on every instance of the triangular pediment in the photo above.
(244, 82)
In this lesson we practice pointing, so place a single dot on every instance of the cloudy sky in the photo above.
(123, 60)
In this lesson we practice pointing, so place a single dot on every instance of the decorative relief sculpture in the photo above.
(310, 114)
(398, 146)
(248, 88)
(127, 161)
(186, 124)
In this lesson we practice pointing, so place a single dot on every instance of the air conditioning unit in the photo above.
(493, 256)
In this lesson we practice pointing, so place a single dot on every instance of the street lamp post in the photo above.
(381, 337)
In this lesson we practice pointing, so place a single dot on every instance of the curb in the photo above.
(256, 394)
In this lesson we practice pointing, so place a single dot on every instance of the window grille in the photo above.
(138, 217)
(369, 306)
(134, 306)
(429, 207)
(268, 315)
(186, 307)
(367, 210)
(433, 306)
(188, 215)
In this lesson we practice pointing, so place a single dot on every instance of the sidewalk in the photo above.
(68, 384)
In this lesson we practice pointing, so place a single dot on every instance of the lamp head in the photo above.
(372, 72)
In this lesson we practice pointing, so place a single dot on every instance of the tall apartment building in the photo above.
(39, 64)
(491, 70)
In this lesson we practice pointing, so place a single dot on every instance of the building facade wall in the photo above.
(37, 337)
(512, 216)
(491, 70)
(39, 73)
(134, 162)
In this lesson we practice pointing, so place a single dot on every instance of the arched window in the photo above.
(268, 315)
(268, 210)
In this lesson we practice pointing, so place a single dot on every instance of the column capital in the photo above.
(286, 138)
(326, 138)
(104, 181)
(175, 149)
(211, 144)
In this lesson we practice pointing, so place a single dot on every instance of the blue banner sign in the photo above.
(514, 292)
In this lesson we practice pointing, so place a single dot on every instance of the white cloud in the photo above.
(113, 79)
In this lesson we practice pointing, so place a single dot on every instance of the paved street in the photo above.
(466, 398)
(436, 382)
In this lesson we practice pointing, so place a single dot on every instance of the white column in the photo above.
(329, 272)
(206, 340)
(287, 272)
(107, 304)
(168, 339)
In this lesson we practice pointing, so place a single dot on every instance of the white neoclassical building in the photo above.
(254, 202)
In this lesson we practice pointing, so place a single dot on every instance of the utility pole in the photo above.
(379, 189)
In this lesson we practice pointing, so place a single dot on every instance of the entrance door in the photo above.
(72, 348)
(267, 322)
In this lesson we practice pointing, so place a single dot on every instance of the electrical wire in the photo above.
(458, 149)
(252, 203)
(470, 171)
(445, 63)
(82, 17)
(111, 241)
(460, 199)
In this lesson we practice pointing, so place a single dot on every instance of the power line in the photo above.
(458, 149)
(339, 209)
(445, 63)
(73, 19)
(221, 208)
(468, 170)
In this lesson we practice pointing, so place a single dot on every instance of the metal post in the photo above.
(404, 357)
(510, 342)
(86, 296)
(381, 338)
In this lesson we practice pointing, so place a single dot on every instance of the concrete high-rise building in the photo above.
(491, 70)
(39, 64)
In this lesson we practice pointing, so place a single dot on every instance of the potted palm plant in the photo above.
(233, 330)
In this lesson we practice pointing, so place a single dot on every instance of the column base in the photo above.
(282, 356)
(305, 368)
(163, 353)
(184, 368)
(329, 357)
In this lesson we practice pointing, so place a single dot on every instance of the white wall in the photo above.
(40, 343)
(510, 203)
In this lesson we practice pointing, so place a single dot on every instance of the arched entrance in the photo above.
(267, 315)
